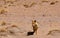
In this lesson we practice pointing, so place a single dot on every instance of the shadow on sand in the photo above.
(30, 33)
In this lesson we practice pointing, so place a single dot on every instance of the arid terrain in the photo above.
(16, 18)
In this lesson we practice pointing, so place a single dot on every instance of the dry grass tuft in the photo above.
(3, 23)
(3, 11)
(27, 6)
(53, 31)
(11, 32)
(14, 26)
(52, 3)
(3, 30)
(45, 1)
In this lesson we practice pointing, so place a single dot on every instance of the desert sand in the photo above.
(16, 18)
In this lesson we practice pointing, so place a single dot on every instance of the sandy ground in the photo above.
(16, 17)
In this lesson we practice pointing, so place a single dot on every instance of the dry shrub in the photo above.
(3, 23)
(14, 26)
(3, 30)
(45, 1)
(11, 32)
(52, 3)
(51, 32)
(27, 6)
(3, 11)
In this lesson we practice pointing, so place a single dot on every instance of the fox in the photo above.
(35, 26)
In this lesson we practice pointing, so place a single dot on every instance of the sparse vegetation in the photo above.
(14, 26)
(52, 3)
(3, 30)
(3, 11)
(45, 1)
(53, 31)
(3, 23)
(32, 4)
(11, 32)
(10, 2)
(27, 6)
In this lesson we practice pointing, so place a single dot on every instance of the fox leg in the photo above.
(36, 32)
